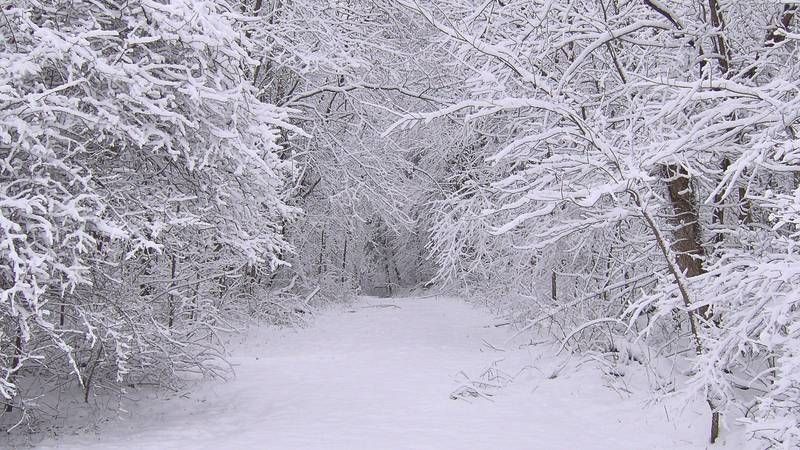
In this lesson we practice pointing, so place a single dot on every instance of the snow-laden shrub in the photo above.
(140, 180)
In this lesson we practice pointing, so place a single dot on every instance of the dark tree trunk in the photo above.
(686, 246)
(344, 259)
(321, 251)
(720, 43)
(718, 216)
(14, 363)
(171, 297)
(689, 251)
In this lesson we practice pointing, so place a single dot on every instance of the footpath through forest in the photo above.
(404, 373)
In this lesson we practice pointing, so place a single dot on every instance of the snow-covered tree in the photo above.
(141, 175)
(626, 150)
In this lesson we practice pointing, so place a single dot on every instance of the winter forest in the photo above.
(618, 178)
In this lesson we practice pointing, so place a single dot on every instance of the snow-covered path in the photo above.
(379, 375)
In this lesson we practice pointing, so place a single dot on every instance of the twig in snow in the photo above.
(486, 343)
(383, 305)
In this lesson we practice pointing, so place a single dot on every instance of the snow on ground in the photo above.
(380, 374)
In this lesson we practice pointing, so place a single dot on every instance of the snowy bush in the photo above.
(142, 184)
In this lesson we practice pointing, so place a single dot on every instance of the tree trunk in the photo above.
(745, 208)
(673, 264)
(687, 248)
(718, 216)
(388, 279)
(172, 272)
(171, 297)
(87, 388)
(720, 43)
(689, 255)
(321, 251)
(14, 363)
(344, 259)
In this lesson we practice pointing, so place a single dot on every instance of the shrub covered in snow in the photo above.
(141, 186)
